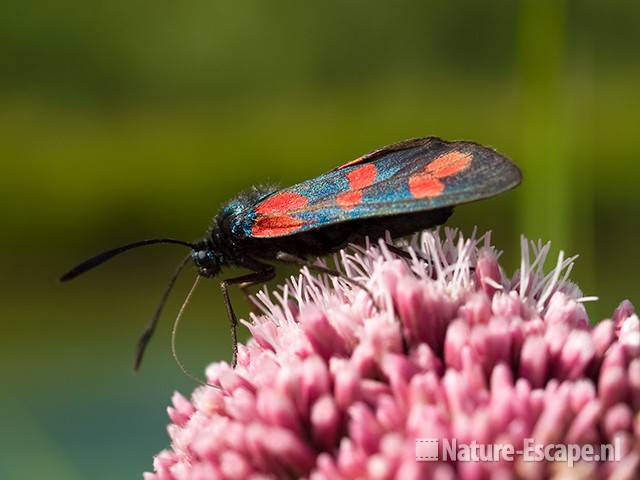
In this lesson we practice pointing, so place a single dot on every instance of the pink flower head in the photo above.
(335, 384)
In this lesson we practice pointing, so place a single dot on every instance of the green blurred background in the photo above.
(128, 119)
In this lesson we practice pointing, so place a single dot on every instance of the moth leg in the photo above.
(398, 251)
(244, 287)
(293, 259)
(244, 281)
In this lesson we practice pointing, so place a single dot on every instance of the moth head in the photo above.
(206, 260)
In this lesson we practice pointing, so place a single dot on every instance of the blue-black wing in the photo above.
(412, 176)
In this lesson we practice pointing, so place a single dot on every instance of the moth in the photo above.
(399, 189)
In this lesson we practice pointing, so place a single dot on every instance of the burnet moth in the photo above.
(399, 189)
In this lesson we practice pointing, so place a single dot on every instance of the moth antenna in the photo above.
(174, 331)
(150, 328)
(104, 256)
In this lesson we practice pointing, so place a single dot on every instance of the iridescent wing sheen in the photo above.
(412, 176)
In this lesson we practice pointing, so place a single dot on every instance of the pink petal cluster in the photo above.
(335, 384)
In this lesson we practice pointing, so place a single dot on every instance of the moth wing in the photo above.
(412, 176)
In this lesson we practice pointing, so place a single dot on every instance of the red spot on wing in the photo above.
(272, 219)
(422, 186)
(276, 226)
(360, 159)
(281, 203)
(427, 182)
(348, 200)
(449, 164)
(352, 162)
(362, 177)
(359, 178)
